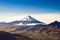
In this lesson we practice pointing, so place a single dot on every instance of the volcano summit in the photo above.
(30, 21)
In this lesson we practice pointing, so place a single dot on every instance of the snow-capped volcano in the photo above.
(29, 21)
(25, 21)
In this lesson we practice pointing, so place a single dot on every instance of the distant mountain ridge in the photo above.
(30, 20)
(55, 23)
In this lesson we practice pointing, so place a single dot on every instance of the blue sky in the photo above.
(29, 6)
(43, 10)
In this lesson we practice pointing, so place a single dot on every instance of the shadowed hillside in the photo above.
(8, 36)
